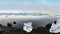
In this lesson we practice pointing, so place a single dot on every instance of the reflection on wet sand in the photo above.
(37, 21)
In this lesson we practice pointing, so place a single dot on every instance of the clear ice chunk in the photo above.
(28, 27)
(55, 28)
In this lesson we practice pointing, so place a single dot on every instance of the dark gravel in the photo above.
(12, 30)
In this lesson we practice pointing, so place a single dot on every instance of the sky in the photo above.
(29, 2)
(41, 5)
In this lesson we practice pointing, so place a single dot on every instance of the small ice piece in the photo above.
(55, 28)
(28, 27)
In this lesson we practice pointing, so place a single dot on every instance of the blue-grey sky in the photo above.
(29, 2)
(41, 5)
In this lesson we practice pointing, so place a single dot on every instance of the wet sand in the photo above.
(37, 21)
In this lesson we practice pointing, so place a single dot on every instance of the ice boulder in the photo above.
(55, 28)
(28, 27)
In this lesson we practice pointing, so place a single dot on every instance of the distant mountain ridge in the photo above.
(22, 14)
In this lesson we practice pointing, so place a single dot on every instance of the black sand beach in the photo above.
(13, 30)
(37, 23)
